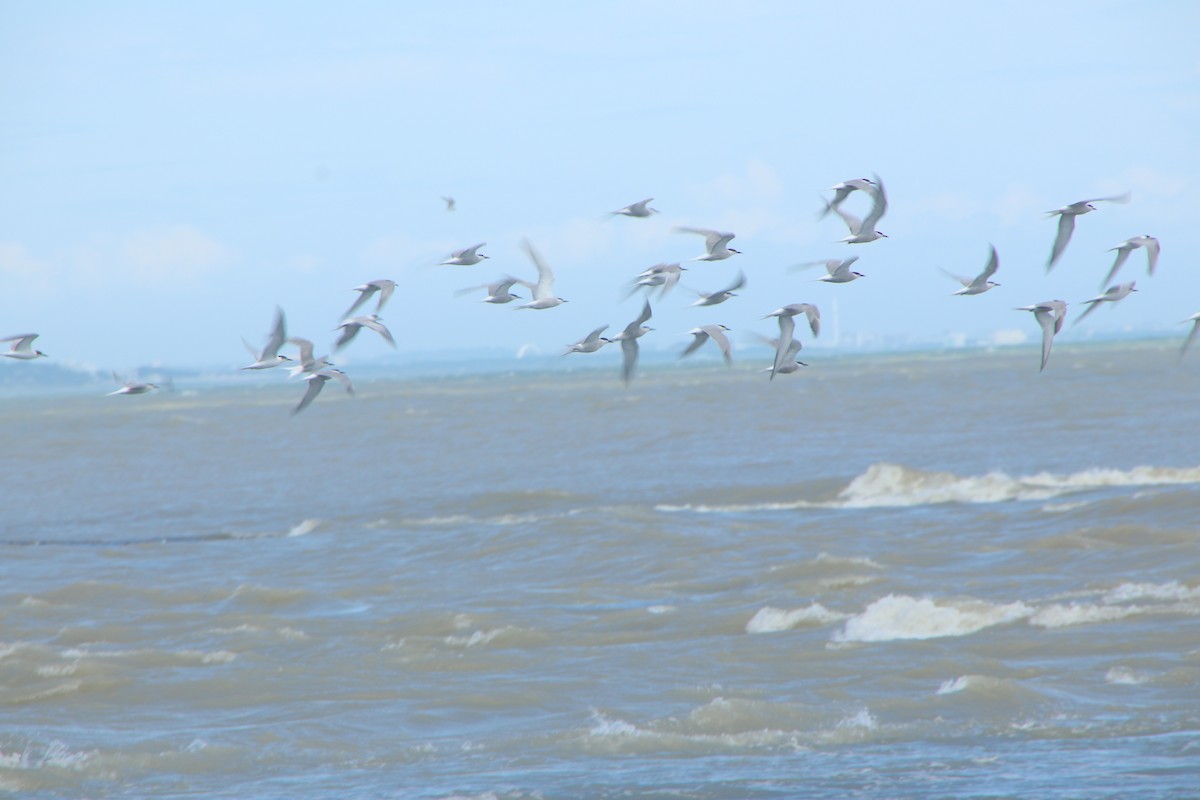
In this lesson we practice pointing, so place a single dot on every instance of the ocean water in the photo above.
(905, 576)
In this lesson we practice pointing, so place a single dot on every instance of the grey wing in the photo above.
(852, 222)
(595, 335)
(382, 330)
(1046, 318)
(315, 384)
(787, 327)
(1191, 335)
(718, 336)
(992, 265)
(1122, 254)
(342, 377)
(644, 317)
(1094, 305)
(629, 353)
(306, 349)
(1152, 250)
(385, 293)
(277, 336)
(1066, 226)
(737, 284)
(349, 331)
(545, 277)
(698, 339)
(1117, 198)
(814, 318)
(959, 278)
(366, 291)
(22, 340)
(878, 208)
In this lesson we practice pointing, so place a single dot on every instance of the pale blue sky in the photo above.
(170, 172)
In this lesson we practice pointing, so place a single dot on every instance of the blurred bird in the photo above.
(629, 345)
(703, 334)
(1128, 246)
(787, 327)
(1114, 293)
(664, 276)
(1050, 315)
(351, 327)
(837, 269)
(307, 364)
(863, 231)
(22, 347)
(498, 291)
(269, 357)
(466, 257)
(638, 209)
(543, 290)
(316, 382)
(1066, 222)
(1195, 320)
(449, 201)
(590, 343)
(980, 283)
(716, 244)
(721, 295)
(842, 190)
(132, 386)
(383, 286)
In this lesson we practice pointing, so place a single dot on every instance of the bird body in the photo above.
(629, 345)
(705, 332)
(22, 347)
(1050, 315)
(638, 209)
(316, 382)
(981, 282)
(590, 343)
(1066, 222)
(1128, 246)
(466, 257)
(1114, 293)
(543, 290)
(721, 295)
(716, 244)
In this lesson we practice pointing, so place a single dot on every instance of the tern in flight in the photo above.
(1066, 222)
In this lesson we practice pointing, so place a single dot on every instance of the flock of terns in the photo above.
(316, 371)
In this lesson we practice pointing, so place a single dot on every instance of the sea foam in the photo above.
(903, 617)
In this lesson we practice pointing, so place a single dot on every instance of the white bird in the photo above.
(660, 275)
(498, 292)
(466, 257)
(307, 364)
(590, 343)
(787, 327)
(269, 356)
(842, 190)
(790, 362)
(638, 209)
(716, 244)
(1112, 295)
(629, 345)
(383, 286)
(703, 334)
(449, 201)
(543, 290)
(316, 382)
(837, 269)
(131, 387)
(1066, 222)
(862, 231)
(1128, 246)
(1195, 320)
(1050, 315)
(981, 282)
(351, 327)
(721, 295)
(22, 347)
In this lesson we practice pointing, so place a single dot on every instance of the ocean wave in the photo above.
(888, 485)
(773, 620)
(902, 617)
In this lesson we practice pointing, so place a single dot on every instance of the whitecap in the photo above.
(1060, 615)
(903, 617)
(1172, 590)
(773, 620)
(305, 527)
(1125, 676)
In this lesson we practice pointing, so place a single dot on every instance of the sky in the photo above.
(169, 173)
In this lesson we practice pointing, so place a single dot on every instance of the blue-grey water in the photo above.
(900, 576)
